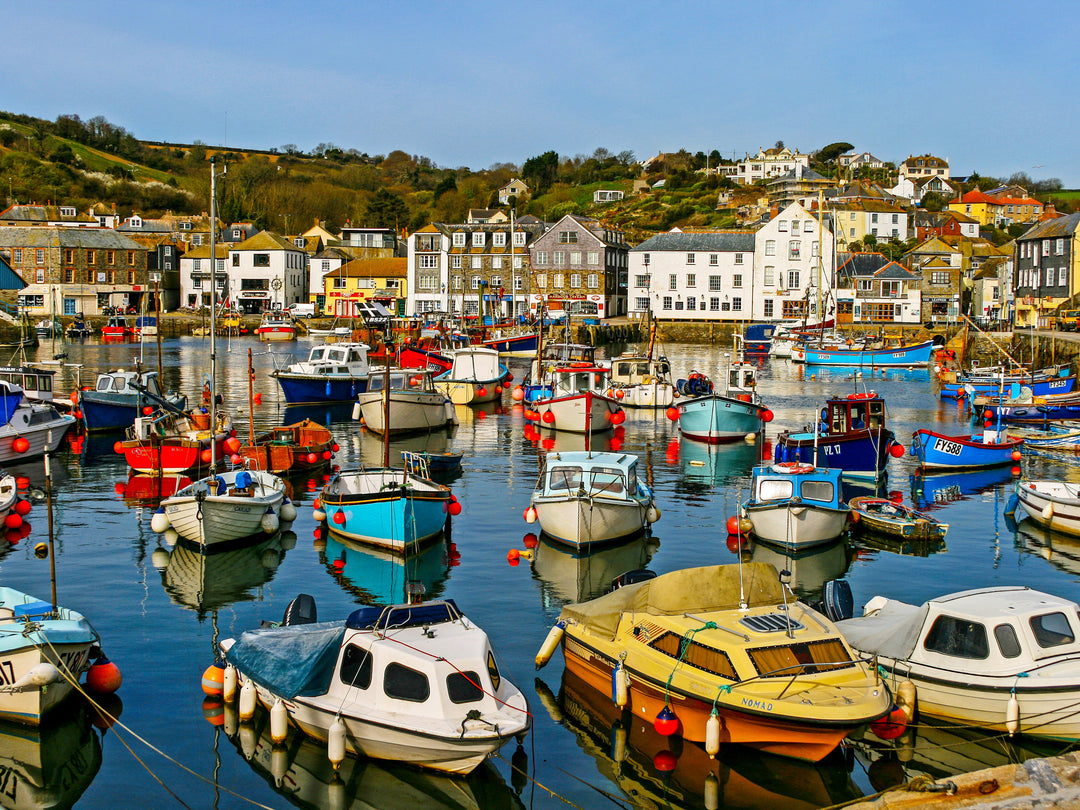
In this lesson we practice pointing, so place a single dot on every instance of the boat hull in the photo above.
(1051, 504)
(43, 438)
(376, 509)
(213, 521)
(515, 346)
(170, 455)
(578, 413)
(586, 523)
(716, 419)
(275, 334)
(796, 525)
(647, 395)
(937, 451)
(471, 392)
(914, 355)
(860, 454)
(301, 389)
(1052, 385)
(410, 411)
(115, 411)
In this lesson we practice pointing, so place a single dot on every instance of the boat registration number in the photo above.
(947, 447)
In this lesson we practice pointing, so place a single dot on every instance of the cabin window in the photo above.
(624, 369)
(29, 383)
(103, 384)
(568, 478)
(1007, 642)
(1051, 629)
(607, 481)
(774, 489)
(402, 683)
(959, 638)
(877, 414)
(817, 491)
(118, 383)
(858, 417)
(695, 654)
(463, 687)
(355, 667)
(788, 660)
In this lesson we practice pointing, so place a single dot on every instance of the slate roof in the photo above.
(41, 214)
(46, 237)
(1052, 228)
(867, 265)
(717, 241)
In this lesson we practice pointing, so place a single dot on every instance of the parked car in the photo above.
(1066, 320)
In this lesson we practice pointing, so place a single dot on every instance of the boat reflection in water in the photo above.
(376, 576)
(941, 751)
(52, 764)
(1061, 550)
(325, 413)
(810, 569)
(656, 771)
(714, 463)
(928, 491)
(300, 771)
(206, 583)
(567, 577)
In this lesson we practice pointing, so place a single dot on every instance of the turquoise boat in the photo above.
(916, 354)
(717, 418)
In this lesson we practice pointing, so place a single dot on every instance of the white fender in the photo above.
(228, 689)
(712, 735)
(247, 700)
(279, 722)
(36, 677)
(160, 521)
(335, 743)
(288, 511)
(1012, 715)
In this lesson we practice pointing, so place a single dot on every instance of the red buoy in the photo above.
(733, 524)
(232, 444)
(21, 444)
(236, 459)
(891, 725)
(147, 410)
(12, 520)
(312, 458)
(118, 447)
(207, 456)
(548, 417)
(666, 723)
(22, 507)
(339, 517)
(767, 415)
(335, 447)
(897, 450)
(672, 413)
(1017, 455)
(481, 391)
(454, 508)
(104, 676)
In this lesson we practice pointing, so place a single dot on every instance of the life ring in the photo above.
(863, 395)
(793, 467)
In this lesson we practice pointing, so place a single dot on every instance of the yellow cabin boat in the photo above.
(779, 674)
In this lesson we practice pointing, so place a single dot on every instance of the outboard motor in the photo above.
(301, 610)
(836, 603)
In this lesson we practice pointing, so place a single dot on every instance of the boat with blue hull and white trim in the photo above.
(796, 506)
(333, 372)
(119, 397)
(586, 500)
(988, 449)
(849, 434)
(917, 354)
(1032, 409)
(1039, 385)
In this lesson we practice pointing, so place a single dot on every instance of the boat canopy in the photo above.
(693, 590)
(290, 661)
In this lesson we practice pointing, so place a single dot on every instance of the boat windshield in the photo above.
(317, 353)
(822, 491)
(607, 481)
(568, 478)
(774, 489)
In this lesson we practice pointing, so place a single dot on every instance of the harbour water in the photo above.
(160, 610)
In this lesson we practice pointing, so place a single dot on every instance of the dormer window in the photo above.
(478, 238)
(66, 211)
(236, 233)
(185, 226)
(299, 241)
(459, 239)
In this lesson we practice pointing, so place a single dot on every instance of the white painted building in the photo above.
(266, 271)
(768, 164)
(793, 266)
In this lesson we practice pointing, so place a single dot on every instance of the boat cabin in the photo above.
(128, 382)
(778, 483)
(36, 383)
(757, 337)
(604, 475)
(635, 369)
(348, 359)
(853, 412)
(403, 379)
(578, 380)
(741, 378)
(475, 363)
(569, 353)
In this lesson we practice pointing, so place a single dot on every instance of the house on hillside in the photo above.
(939, 266)
(923, 166)
(195, 287)
(480, 216)
(855, 221)
(800, 185)
(266, 271)
(860, 160)
(943, 223)
(1046, 269)
(872, 289)
(516, 189)
(768, 164)
(606, 195)
(913, 189)
(49, 216)
(793, 266)
(997, 211)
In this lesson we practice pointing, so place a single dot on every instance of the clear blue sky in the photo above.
(992, 86)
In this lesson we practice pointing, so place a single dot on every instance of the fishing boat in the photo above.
(31, 431)
(219, 509)
(404, 401)
(333, 372)
(146, 326)
(1053, 504)
(475, 376)
(289, 449)
(48, 327)
(916, 354)
(890, 517)
(795, 506)
(537, 382)
(577, 402)
(120, 396)
(11, 397)
(937, 451)
(588, 500)
(1030, 408)
(640, 381)
(715, 418)
(850, 435)
(276, 326)
(36, 384)
(170, 441)
(758, 338)
(413, 683)
(78, 329)
(1001, 658)
(117, 328)
(1047, 381)
(722, 654)
(45, 650)
(1061, 438)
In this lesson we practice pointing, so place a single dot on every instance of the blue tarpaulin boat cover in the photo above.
(290, 661)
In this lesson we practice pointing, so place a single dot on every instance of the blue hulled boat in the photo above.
(333, 372)
(1040, 385)
(1039, 409)
(757, 337)
(514, 345)
(850, 435)
(937, 451)
(916, 354)
(11, 395)
(119, 397)
(716, 418)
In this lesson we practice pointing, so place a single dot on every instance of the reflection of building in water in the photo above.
(810, 569)
(378, 577)
(566, 577)
(300, 771)
(652, 770)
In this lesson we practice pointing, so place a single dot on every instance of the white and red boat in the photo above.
(276, 326)
(175, 442)
(577, 403)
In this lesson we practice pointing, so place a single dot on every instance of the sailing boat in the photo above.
(397, 509)
(233, 505)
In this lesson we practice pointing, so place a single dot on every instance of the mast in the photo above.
(213, 310)
(386, 402)
(513, 270)
(821, 203)
(251, 402)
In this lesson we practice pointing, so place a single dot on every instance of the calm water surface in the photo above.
(160, 613)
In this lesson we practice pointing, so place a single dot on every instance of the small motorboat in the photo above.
(276, 326)
(555, 355)
(412, 683)
(48, 327)
(1053, 504)
(78, 329)
(415, 404)
(1063, 438)
(333, 372)
(146, 326)
(290, 449)
(988, 449)
(33, 430)
(640, 381)
(722, 654)
(171, 441)
(916, 354)
(708, 416)
(795, 505)
(889, 517)
(119, 396)
(476, 376)
(45, 650)
(1002, 658)
(575, 401)
(590, 499)
(218, 509)
(117, 328)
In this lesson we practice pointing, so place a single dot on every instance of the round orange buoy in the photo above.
(988, 424)
(339, 517)
(232, 444)
(513, 554)
(619, 393)
(481, 392)
(118, 447)
(213, 679)
(21, 444)
(733, 524)
(13, 520)
(498, 389)
(22, 507)
(1017, 455)
(316, 504)
(767, 415)
(258, 399)
(891, 725)
(618, 417)
(147, 410)
(207, 456)
(235, 458)
(312, 458)
(518, 394)
(104, 676)
(548, 417)
(454, 508)
(666, 723)
(672, 413)
(335, 447)
(988, 414)
(897, 450)
(77, 413)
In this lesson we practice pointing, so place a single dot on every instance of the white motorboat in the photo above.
(333, 372)
(43, 653)
(33, 430)
(414, 403)
(476, 376)
(1053, 504)
(229, 506)
(586, 499)
(413, 683)
(640, 381)
(1003, 658)
(796, 506)
(577, 403)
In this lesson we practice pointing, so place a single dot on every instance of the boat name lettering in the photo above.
(9, 782)
(241, 508)
(898, 354)
(73, 660)
(1058, 384)
(829, 450)
(947, 447)
(754, 703)
(7, 673)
